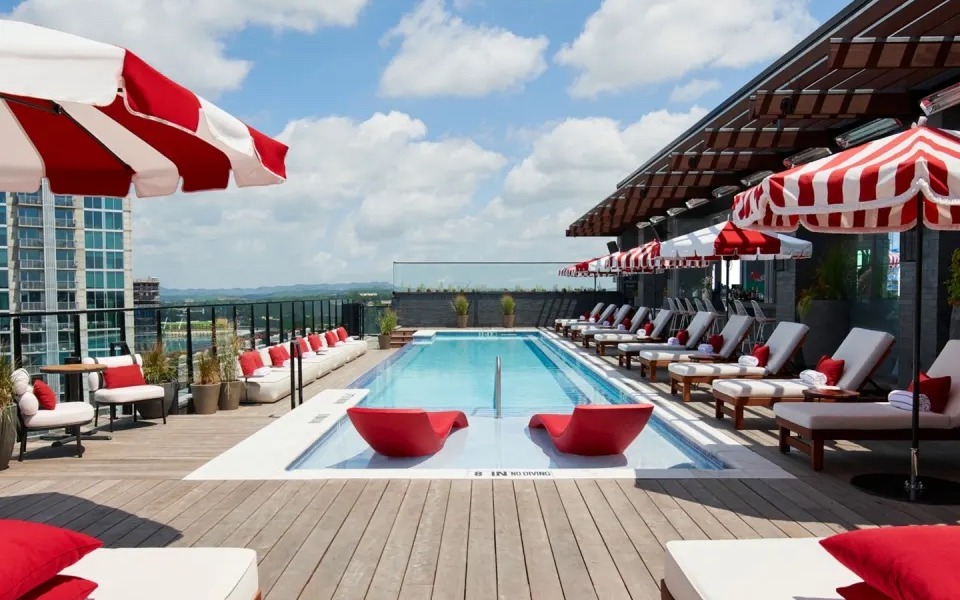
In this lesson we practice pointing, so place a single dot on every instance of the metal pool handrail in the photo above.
(497, 401)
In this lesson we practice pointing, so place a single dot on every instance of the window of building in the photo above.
(94, 239)
(92, 219)
(114, 260)
(114, 240)
(92, 202)
(64, 235)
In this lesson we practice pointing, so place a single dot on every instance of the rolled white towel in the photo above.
(593, 319)
(903, 400)
(812, 377)
(673, 341)
(620, 327)
(748, 361)
(705, 348)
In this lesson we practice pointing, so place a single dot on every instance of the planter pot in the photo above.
(150, 410)
(205, 398)
(8, 435)
(384, 341)
(508, 320)
(231, 392)
(461, 321)
(955, 323)
(829, 323)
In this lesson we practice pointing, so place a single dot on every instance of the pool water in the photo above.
(456, 371)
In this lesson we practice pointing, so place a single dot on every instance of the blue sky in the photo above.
(430, 130)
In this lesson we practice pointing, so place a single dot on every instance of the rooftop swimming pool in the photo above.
(456, 371)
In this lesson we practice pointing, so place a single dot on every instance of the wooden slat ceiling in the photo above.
(877, 58)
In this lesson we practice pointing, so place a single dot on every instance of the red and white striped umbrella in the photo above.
(867, 188)
(94, 119)
(641, 258)
(726, 240)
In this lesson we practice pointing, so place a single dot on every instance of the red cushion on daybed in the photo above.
(862, 591)
(595, 429)
(717, 342)
(277, 355)
(683, 336)
(250, 361)
(405, 432)
(48, 400)
(648, 328)
(33, 553)
(907, 563)
(331, 338)
(314, 340)
(761, 353)
(833, 369)
(61, 587)
(125, 376)
(937, 389)
(304, 346)
(342, 334)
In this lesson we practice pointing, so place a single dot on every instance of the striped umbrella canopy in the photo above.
(727, 240)
(94, 119)
(587, 268)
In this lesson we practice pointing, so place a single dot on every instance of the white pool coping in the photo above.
(267, 454)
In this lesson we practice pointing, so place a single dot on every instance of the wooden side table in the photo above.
(73, 377)
(703, 357)
(821, 395)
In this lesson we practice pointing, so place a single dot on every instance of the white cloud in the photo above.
(629, 43)
(693, 90)
(441, 55)
(186, 38)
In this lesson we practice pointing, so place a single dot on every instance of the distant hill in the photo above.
(302, 290)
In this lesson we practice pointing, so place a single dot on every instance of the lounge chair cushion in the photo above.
(861, 351)
(760, 388)
(715, 370)
(65, 414)
(617, 337)
(866, 416)
(639, 346)
(947, 364)
(773, 569)
(125, 395)
(661, 356)
(185, 573)
(784, 341)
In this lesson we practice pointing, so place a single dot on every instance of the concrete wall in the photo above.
(533, 309)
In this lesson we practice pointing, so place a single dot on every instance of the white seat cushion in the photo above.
(760, 388)
(666, 355)
(948, 363)
(617, 337)
(861, 351)
(65, 415)
(689, 369)
(124, 395)
(640, 346)
(768, 569)
(868, 416)
(181, 573)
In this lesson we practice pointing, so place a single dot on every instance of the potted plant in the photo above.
(8, 410)
(508, 305)
(159, 369)
(206, 385)
(231, 388)
(387, 322)
(825, 306)
(953, 294)
(461, 306)
(707, 293)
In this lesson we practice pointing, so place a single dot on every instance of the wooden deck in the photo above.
(441, 539)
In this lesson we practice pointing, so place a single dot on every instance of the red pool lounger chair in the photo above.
(595, 430)
(405, 432)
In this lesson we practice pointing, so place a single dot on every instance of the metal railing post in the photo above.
(267, 321)
(253, 327)
(293, 378)
(122, 323)
(313, 316)
(303, 315)
(497, 399)
(282, 337)
(213, 330)
(299, 372)
(77, 345)
(236, 323)
(159, 325)
(189, 349)
(322, 326)
(17, 343)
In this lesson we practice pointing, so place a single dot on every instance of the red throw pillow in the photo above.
(717, 342)
(304, 347)
(277, 356)
(862, 591)
(833, 369)
(648, 328)
(62, 587)
(125, 376)
(342, 334)
(627, 323)
(314, 340)
(761, 353)
(250, 361)
(33, 553)
(908, 563)
(332, 338)
(284, 351)
(48, 400)
(683, 337)
(935, 388)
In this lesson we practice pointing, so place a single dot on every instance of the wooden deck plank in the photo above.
(450, 579)
(510, 564)
(262, 515)
(215, 525)
(696, 492)
(267, 538)
(541, 569)
(571, 565)
(424, 554)
(168, 535)
(387, 579)
(481, 543)
(648, 546)
(704, 519)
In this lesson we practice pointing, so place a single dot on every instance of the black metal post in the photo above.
(159, 325)
(189, 349)
(122, 323)
(322, 326)
(17, 343)
(282, 337)
(299, 372)
(313, 316)
(77, 346)
(293, 377)
(253, 327)
(236, 324)
(213, 330)
(303, 315)
(915, 485)
(267, 321)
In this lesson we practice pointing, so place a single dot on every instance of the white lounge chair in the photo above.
(784, 342)
(588, 333)
(600, 326)
(862, 351)
(698, 327)
(114, 397)
(559, 323)
(779, 569)
(733, 333)
(603, 316)
(612, 338)
(67, 415)
(860, 421)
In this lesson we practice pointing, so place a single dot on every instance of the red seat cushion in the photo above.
(937, 389)
(277, 356)
(342, 334)
(648, 328)
(304, 347)
(125, 376)
(33, 553)
(833, 369)
(906, 563)
(683, 336)
(314, 340)
(332, 338)
(717, 342)
(761, 353)
(46, 397)
(862, 591)
(61, 587)
(250, 361)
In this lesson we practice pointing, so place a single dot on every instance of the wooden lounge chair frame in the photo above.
(625, 357)
(653, 365)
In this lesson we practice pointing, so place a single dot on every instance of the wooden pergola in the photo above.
(876, 59)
